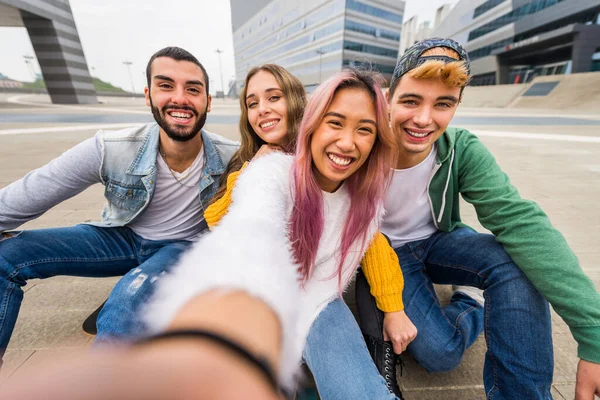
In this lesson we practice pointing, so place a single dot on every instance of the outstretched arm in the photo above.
(198, 368)
(249, 251)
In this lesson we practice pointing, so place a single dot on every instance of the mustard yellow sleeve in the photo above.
(382, 270)
(218, 209)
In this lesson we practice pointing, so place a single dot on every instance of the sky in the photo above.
(424, 9)
(114, 31)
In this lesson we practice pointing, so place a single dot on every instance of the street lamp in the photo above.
(29, 61)
(320, 53)
(219, 51)
(128, 64)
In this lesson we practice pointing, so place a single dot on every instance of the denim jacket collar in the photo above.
(214, 163)
(144, 161)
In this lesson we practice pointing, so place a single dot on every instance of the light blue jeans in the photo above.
(89, 251)
(338, 358)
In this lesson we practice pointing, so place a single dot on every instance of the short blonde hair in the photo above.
(453, 74)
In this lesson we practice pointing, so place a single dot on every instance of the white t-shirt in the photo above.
(175, 211)
(408, 212)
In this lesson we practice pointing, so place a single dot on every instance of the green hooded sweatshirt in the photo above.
(465, 166)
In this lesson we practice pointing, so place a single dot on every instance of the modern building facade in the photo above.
(512, 41)
(313, 39)
(54, 37)
(413, 31)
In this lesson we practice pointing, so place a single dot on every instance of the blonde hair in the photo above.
(453, 74)
(295, 98)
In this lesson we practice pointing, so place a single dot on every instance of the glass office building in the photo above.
(513, 41)
(313, 39)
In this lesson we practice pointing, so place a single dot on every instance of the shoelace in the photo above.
(388, 370)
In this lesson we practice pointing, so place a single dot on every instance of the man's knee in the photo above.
(436, 356)
(11, 250)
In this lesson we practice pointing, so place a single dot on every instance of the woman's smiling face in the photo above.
(267, 108)
(345, 137)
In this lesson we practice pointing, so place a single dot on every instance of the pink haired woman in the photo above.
(317, 213)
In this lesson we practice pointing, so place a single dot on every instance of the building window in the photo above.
(595, 61)
(514, 15)
(375, 11)
(487, 50)
(371, 30)
(483, 79)
(485, 7)
(367, 48)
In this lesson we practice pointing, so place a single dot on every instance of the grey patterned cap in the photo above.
(412, 57)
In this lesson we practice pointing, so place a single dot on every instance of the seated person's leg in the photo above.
(519, 360)
(81, 250)
(119, 319)
(441, 341)
(338, 358)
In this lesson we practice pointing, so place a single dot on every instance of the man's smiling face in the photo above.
(420, 111)
(178, 98)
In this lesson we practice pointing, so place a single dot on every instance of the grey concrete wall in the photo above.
(492, 96)
(575, 93)
(55, 39)
(587, 40)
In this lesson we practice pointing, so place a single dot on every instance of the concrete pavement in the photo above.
(558, 166)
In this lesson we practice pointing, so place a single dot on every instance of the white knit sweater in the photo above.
(250, 250)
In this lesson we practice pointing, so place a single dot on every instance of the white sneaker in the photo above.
(473, 292)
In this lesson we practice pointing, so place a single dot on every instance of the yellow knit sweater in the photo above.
(380, 262)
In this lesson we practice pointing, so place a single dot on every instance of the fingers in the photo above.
(399, 329)
(401, 340)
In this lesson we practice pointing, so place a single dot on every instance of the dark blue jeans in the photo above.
(85, 250)
(516, 321)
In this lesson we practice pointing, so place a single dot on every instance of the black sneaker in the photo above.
(386, 360)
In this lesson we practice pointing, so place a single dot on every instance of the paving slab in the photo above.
(37, 330)
(566, 391)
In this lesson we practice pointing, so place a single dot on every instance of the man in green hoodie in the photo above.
(522, 266)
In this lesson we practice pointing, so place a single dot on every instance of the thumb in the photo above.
(386, 337)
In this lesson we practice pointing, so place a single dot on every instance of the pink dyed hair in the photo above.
(366, 186)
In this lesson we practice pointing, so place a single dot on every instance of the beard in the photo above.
(176, 132)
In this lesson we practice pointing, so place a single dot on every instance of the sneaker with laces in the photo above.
(385, 359)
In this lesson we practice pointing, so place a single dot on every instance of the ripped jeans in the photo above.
(89, 251)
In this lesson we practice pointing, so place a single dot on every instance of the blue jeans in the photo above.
(338, 358)
(516, 321)
(85, 250)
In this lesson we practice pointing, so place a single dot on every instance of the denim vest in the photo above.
(128, 170)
